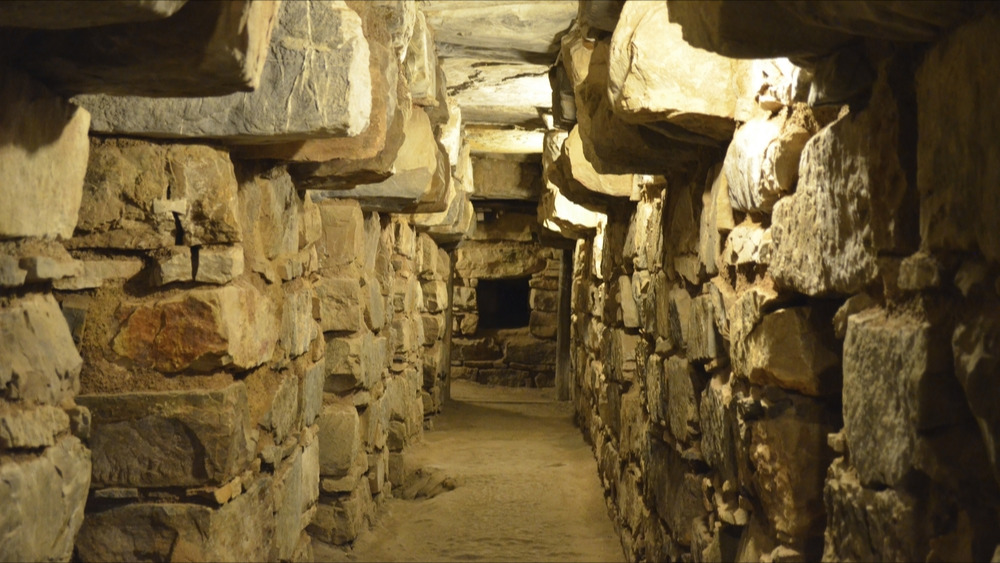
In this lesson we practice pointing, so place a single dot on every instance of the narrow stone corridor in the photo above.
(505, 280)
(526, 488)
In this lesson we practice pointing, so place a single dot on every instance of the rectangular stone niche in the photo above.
(504, 303)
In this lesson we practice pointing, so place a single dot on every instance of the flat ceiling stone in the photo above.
(526, 26)
(499, 93)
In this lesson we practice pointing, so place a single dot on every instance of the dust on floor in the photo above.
(527, 488)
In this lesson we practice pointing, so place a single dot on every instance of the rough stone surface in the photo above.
(339, 439)
(223, 50)
(762, 162)
(184, 531)
(322, 41)
(340, 304)
(43, 498)
(655, 76)
(957, 202)
(32, 427)
(486, 260)
(200, 330)
(789, 350)
(43, 159)
(40, 363)
(892, 362)
(170, 438)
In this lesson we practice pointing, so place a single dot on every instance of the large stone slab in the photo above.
(200, 330)
(43, 498)
(505, 178)
(511, 28)
(241, 530)
(958, 199)
(271, 213)
(170, 438)
(414, 174)
(476, 259)
(654, 75)
(69, 14)
(384, 69)
(339, 439)
(581, 169)
(315, 84)
(614, 146)
(43, 159)
(39, 360)
(205, 49)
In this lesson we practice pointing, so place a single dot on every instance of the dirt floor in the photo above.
(527, 488)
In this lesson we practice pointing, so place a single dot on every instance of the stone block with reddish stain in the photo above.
(201, 330)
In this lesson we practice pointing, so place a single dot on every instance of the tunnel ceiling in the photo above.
(496, 57)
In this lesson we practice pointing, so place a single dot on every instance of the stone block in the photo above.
(40, 361)
(682, 389)
(543, 325)
(897, 384)
(170, 438)
(241, 530)
(173, 265)
(224, 50)
(433, 328)
(219, 264)
(717, 422)
(716, 220)
(748, 244)
(957, 201)
(374, 303)
(703, 342)
(526, 349)
(269, 212)
(298, 327)
(975, 369)
(543, 300)
(677, 493)
(421, 63)
(868, 524)
(435, 296)
(340, 304)
(283, 415)
(311, 393)
(646, 82)
(792, 348)
(322, 41)
(339, 439)
(43, 497)
(354, 361)
(199, 330)
(341, 246)
(581, 170)
(853, 198)
(30, 428)
(789, 455)
(96, 273)
(762, 162)
(43, 159)
(415, 175)
(464, 298)
(296, 490)
(339, 521)
(490, 260)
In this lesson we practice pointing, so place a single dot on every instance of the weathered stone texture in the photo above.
(43, 498)
(172, 438)
(322, 41)
(655, 76)
(43, 159)
(39, 363)
(200, 330)
(209, 49)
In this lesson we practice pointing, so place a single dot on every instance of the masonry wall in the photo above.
(506, 247)
(778, 353)
(204, 356)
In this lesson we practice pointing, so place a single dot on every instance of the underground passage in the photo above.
(448, 280)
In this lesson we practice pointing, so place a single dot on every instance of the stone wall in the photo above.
(201, 357)
(505, 246)
(779, 346)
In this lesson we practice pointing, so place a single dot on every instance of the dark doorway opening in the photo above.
(503, 303)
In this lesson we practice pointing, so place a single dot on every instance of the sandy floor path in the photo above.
(527, 488)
